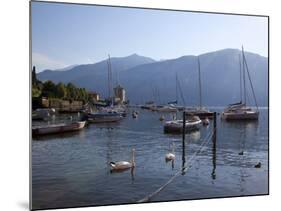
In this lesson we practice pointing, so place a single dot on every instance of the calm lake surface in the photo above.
(72, 169)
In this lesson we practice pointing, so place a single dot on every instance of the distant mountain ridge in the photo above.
(146, 79)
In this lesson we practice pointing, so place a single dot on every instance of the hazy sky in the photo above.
(67, 34)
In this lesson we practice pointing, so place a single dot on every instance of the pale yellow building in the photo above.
(119, 93)
(94, 96)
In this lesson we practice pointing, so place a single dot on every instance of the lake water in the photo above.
(72, 170)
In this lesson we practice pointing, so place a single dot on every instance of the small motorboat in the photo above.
(176, 126)
(58, 128)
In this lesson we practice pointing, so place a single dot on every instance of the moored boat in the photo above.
(240, 111)
(176, 126)
(163, 109)
(58, 128)
(42, 113)
(104, 117)
(202, 113)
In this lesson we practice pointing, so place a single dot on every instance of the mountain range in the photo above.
(145, 79)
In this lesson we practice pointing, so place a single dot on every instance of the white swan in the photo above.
(171, 155)
(206, 121)
(123, 165)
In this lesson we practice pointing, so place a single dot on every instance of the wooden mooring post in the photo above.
(214, 149)
(183, 142)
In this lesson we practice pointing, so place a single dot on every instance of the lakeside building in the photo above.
(94, 96)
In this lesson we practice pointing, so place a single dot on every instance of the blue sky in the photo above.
(67, 34)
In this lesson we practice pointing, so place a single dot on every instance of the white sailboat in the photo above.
(240, 111)
(111, 113)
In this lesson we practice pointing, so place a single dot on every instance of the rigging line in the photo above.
(183, 169)
(250, 81)
(207, 140)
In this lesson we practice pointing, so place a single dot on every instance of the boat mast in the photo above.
(200, 94)
(110, 80)
(248, 73)
(180, 89)
(240, 78)
(177, 87)
(244, 80)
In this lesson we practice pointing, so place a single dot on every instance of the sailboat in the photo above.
(161, 108)
(200, 111)
(174, 104)
(108, 114)
(240, 110)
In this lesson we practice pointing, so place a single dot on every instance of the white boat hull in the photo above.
(176, 126)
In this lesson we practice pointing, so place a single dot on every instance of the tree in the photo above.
(34, 78)
(49, 89)
(61, 91)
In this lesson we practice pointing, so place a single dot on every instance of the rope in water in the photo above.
(183, 169)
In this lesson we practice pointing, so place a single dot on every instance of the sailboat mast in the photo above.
(240, 77)
(177, 87)
(110, 80)
(251, 84)
(244, 80)
(200, 94)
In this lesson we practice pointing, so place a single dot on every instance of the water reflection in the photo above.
(214, 156)
(132, 172)
(183, 157)
(194, 135)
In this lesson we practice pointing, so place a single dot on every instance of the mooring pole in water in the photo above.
(183, 127)
(215, 123)
(183, 142)
(214, 150)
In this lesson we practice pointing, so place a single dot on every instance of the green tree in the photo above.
(49, 89)
(34, 78)
(70, 91)
(61, 91)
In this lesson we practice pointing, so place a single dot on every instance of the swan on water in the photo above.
(171, 155)
(123, 165)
